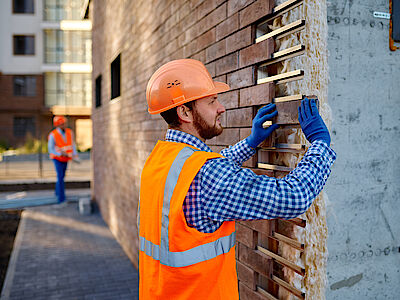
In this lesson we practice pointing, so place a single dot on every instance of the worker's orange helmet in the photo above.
(178, 82)
(58, 120)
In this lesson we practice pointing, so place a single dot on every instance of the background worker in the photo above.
(190, 196)
(61, 149)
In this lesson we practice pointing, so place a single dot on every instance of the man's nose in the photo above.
(221, 108)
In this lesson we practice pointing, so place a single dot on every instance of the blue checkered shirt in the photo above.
(224, 191)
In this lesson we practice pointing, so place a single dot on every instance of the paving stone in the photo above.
(61, 254)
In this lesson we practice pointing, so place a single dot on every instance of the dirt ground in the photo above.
(9, 221)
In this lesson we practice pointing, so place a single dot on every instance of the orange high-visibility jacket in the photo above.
(177, 261)
(62, 144)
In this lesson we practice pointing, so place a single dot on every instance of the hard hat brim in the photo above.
(219, 87)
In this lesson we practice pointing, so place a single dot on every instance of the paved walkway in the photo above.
(60, 254)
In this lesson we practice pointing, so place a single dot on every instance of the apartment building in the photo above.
(45, 69)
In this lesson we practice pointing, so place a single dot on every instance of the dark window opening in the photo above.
(116, 77)
(396, 20)
(24, 86)
(24, 45)
(23, 7)
(23, 126)
(98, 91)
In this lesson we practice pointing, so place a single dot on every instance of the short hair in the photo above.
(171, 116)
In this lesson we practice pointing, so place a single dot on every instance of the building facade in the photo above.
(45, 69)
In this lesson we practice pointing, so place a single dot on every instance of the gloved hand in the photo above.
(258, 133)
(311, 122)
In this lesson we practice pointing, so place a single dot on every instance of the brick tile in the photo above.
(211, 20)
(236, 5)
(254, 12)
(221, 78)
(254, 260)
(241, 117)
(248, 294)
(205, 39)
(216, 50)
(246, 275)
(241, 78)
(227, 63)
(205, 8)
(256, 53)
(257, 94)
(227, 27)
(228, 137)
(229, 99)
(246, 236)
(262, 226)
(238, 40)
(288, 112)
(244, 133)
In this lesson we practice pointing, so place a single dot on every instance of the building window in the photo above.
(24, 86)
(98, 91)
(116, 77)
(396, 20)
(23, 7)
(24, 44)
(57, 10)
(67, 46)
(23, 126)
(68, 89)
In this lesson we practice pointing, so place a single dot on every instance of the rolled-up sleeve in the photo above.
(230, 192)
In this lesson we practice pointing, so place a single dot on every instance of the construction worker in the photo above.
(190, 196)
(61, 149)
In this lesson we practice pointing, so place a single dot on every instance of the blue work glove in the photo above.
(258, 133)
(311, 122)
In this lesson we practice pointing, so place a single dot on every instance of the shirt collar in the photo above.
(178, 136)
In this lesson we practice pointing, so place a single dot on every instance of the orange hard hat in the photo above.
(178, 82)
(58, 120)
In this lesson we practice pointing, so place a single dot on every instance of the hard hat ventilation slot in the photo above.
(171, 84)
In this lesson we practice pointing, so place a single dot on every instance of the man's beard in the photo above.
(205, 131)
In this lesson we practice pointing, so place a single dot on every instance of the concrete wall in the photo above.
(363, 216)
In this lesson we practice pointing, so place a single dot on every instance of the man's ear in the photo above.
(184, 114)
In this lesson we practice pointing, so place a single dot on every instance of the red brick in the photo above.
(256, 53)
(257, 94)
(248, 294)
(238, 40)
(211, 20)
(244, 133)
(236, 5)
(227, 27)
(216, 50)
(205, 39)
(211, 68)
(246, 275)
(254, 260)
(246, 236)
(262, 226)
(227, 64)
(255, 11)
(228, 137)
(241, 117)
(229, 99)
(221, 78)
(288, 112)
(241, 78)
(205, 8)
(268, 173)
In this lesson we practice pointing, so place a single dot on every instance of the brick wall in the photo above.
(18, 106)
(148, 34)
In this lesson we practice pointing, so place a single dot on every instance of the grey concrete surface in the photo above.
(364, 210)
(60, 254)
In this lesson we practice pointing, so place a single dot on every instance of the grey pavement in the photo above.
(60, 254)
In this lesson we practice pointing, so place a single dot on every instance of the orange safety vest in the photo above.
(177, 261)
(62, 144)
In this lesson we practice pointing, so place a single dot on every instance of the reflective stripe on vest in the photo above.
(192, 256)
